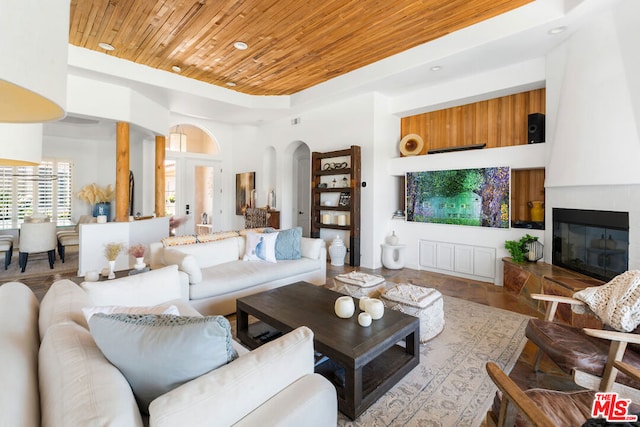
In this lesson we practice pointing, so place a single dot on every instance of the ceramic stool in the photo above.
(393, 256)
(424, 303)
(358, 284)
(6, 246)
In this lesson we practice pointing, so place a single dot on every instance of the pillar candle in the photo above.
(342, 220)
(326, 219)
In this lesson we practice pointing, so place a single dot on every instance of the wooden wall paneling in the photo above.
(160, 179)
(122, 171)
(498, 122)
(526, 185)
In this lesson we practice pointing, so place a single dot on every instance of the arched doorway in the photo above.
(301, 180)
(193, 180)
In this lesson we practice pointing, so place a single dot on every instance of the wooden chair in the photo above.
(256, 218)
(593, 357)
(556, 408)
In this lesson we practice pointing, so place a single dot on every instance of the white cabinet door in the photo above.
(428, 254)
(464, 259)
(445, 256)
(484, 262)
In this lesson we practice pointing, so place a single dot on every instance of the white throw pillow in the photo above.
(261, 247)
(110, 309)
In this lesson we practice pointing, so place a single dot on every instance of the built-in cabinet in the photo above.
(476, 262)
(336, 195)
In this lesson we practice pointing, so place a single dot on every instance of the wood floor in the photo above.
(483, 293)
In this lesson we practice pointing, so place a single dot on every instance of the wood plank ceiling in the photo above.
(293, 44)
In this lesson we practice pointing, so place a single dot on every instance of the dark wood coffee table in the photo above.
(369, 360)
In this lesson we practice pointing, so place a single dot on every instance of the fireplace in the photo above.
(594, 243)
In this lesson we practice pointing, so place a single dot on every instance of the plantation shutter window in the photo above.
(46, 189)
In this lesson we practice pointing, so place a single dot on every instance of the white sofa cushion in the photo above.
(237, 275)
(212, 253)
(78, 385)
(151, 288)
(310, 248)
(185, 262)
(63, 302)
(227, 394)
(157, 353)
(19, 402)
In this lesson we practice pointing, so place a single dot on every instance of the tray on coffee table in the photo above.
(364, 362)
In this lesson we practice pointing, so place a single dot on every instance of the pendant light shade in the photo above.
(34, 39)
(20, 144)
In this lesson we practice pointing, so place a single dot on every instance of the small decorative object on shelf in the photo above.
(536, 210)
(137, 251)
(344, 307)
(111, 252)
(534, 251)
(345, 199)
(337, 251)
(393, 239)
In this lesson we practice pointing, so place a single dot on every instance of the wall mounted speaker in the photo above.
(536, 128)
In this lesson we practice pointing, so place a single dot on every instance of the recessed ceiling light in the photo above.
(231, 84)
(557, 30)
(106, 46)
(240, 45)
(176, 68)
(436, 68)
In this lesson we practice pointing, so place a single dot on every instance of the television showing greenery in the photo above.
(477, 197)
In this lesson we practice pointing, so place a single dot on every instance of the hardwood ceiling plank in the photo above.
(293, 44)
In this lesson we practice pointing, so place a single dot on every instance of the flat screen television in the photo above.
(476, 197)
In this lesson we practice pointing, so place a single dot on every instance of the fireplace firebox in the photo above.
(594, 243)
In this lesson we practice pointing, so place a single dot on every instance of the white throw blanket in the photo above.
(360, 279)
(616, 303)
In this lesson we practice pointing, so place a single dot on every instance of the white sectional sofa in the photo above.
(218, 275)
(54, 374)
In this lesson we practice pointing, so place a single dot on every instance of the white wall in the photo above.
(333, 127)
(593, 90)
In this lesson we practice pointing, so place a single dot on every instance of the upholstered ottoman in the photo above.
(358, 284)
(424, 303)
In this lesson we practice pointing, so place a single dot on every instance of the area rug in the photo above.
(38, 265)
(451, 387)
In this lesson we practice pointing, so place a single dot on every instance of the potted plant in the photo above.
(137, 251)
(111, 252)
(98, 197)
(519, 249)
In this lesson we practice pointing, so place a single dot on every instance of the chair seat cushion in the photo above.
(563, 408)
(571, 349)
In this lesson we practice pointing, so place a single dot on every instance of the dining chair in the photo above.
(35, 238)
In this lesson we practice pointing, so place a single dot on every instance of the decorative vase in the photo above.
(537, 210)
(139, 265)
(364, 319)
(344, 307)
(393, 239)
(103, 208)
(375, 308)
(362, 304)
(112, 266)
(337, 251)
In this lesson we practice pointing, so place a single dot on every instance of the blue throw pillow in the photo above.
(288, 244)
(157, 353)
